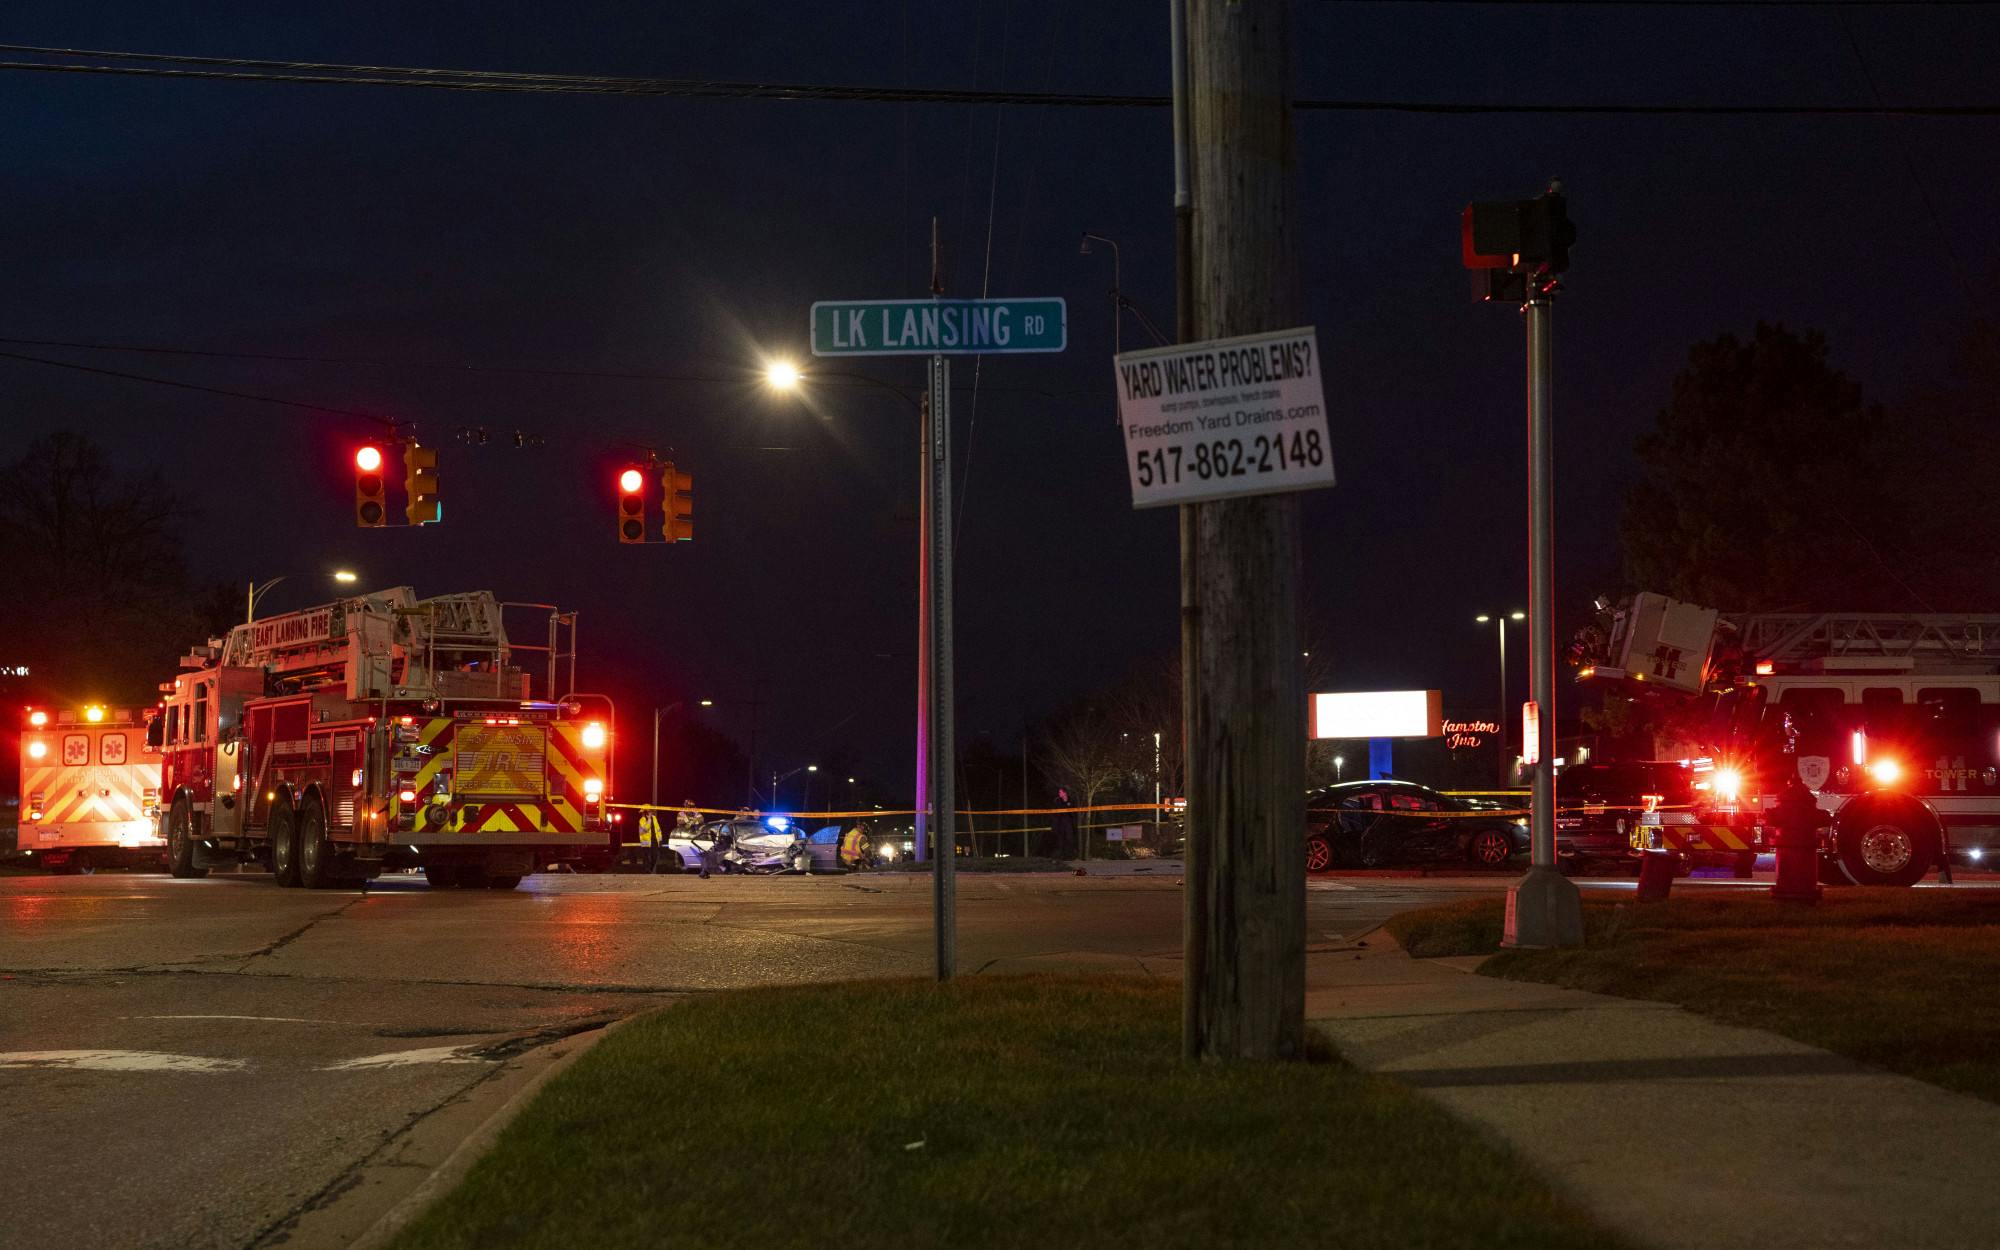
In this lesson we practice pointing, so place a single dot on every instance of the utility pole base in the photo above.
(1544, 909)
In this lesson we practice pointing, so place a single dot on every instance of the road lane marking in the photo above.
(406, 1058)
(118, 1061)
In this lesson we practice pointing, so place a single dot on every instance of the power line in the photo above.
(1698, 4)
(329, 74)
(374, 363)
(629, 375)
(192, 386)
(1916, 175)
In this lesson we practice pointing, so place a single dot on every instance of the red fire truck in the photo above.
(381, 732)
(90, 794)
(1892, 721)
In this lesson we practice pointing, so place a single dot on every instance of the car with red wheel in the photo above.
(1385, 823)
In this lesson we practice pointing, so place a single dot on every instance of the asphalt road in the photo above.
(216, 1062)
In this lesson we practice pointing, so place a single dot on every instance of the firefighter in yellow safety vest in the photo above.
(854, 847)
(649, 837)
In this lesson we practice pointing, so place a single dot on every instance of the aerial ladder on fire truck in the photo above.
(1891, 720)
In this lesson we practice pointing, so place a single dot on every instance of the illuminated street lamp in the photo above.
(1500, 624)
(781, 375)
(258, 589)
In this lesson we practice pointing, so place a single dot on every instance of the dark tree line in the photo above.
(1770, 483)
(100, 601)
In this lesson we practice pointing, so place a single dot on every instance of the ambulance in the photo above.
(90, 791)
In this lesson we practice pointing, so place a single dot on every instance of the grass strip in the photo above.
(1901, 979)
(1047, 1112)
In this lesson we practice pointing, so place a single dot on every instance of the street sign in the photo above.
(939, 327)
(1242, 416)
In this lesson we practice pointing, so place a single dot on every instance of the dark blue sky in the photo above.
(687, 237)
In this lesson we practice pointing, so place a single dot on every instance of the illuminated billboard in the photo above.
(1377, 714)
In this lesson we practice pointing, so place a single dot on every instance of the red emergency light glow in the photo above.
(630, 481)
(368, 459)
(38, 719)
(1765, 668)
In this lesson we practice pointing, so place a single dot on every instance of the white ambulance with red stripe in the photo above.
(383, 732)
(90, 794)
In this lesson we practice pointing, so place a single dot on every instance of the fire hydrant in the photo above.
(1797, 819)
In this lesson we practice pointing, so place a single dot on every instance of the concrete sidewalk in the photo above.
(1676, 1130)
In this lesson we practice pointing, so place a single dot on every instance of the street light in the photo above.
(1500, 624)
(777, 780)
(786, 378)
(781, 375)
(1119, 302)
(750, 763)
(257, 590)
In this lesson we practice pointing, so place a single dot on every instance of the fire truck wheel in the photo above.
(1745, 866)
(1887, 846)
(503, 882)
(180, 843)
(441, 876)
(284, 845)
(470, 878)
(316, 866)
(80, 864)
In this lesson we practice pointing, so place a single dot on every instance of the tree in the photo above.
(1762, 482)
(1085, 754)
(104, 605)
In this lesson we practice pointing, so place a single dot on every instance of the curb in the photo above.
(476, 1143)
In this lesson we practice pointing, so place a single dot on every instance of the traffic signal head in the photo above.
(370, 506)
(631, 506)
(420, 485)
(677, 506)
(1516, 243)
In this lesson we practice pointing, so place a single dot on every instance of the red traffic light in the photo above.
(368, 459)
(630, 481)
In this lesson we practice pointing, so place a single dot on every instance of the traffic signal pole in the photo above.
(936, 804)
(1543, 908)
(1244, 979)
(943, 744)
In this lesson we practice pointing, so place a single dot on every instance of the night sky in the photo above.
(686, 238)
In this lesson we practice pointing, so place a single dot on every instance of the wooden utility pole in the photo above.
(1245, 940)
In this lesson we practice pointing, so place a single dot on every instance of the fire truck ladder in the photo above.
(460, 630)
(561, 647)
(1967, 640)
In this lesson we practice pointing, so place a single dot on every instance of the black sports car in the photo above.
(1372, 824)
